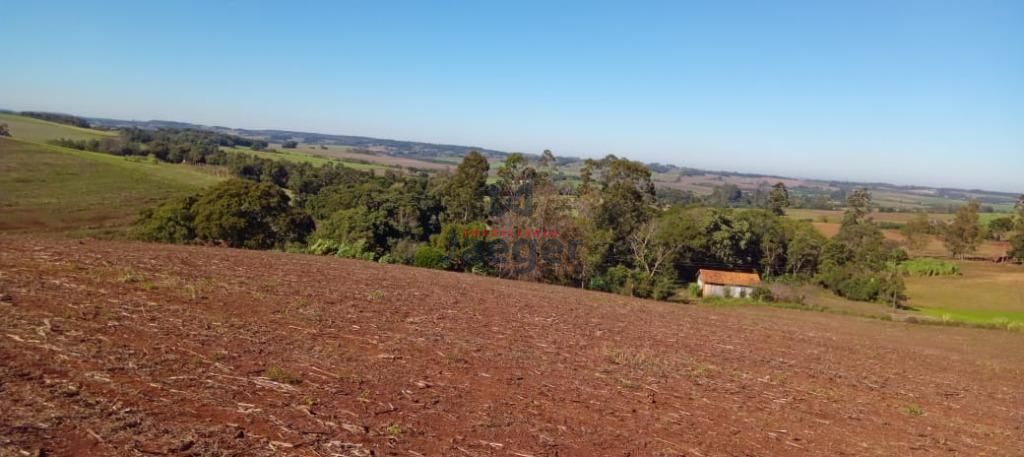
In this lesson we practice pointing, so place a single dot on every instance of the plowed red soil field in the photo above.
(121, 348)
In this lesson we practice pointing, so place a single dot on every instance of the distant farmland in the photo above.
(317, 156)
(350, 156)
(984, 292)
(827, 222)
(40, 131)
(298, 156)
(48, 188)
(836, 216)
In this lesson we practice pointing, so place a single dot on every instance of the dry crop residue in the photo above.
(122, 348)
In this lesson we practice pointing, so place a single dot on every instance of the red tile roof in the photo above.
(728, 278)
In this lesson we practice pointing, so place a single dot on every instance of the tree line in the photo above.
(167, 145)
(66, 119)
(964, 233)
(612, 232)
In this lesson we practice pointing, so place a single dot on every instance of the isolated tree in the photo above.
(865, 242)
(859, 239)
(963, 234)
(171, 222)
(770, 251)
(1017, 241)
(624, 193)
(653, 247)
(547, 159)
(999, 227)
(725, 196)
(858, 206)
(464, 192)
(804, 249)
(4, 131)
(1020, 214)
(893, 287)
(778, 199)
(590, 248)
(1016, 251)
(514, 187)
(916, 231)
(859, 264)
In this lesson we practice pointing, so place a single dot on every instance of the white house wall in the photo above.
(715, 290)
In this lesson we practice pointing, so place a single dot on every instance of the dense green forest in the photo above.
(612, 231)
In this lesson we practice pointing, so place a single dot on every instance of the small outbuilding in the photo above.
(717, 283)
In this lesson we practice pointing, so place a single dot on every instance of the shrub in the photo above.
(355, 225)
(1017, 247)
(795, 298)
(858, 283)
(466, 253)
(404, 251)
(323, 247)
(278, 374)
(431, 257)
(658, 287)
(353, 250)
(598, 282)
(762, 294)
(693, 289)
(245, 214)
(620, 280)
(240, 213)
(171, 222)
(863, 288)
(1016, 326)
(914, 410)
(929, 267)
(897, 254)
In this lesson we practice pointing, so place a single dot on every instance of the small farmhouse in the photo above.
(715, 283)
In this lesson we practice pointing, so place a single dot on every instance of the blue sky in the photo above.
(909, 92)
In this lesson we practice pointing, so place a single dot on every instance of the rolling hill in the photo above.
(40, 131)
(386, 146)
(49, 188)
(666, 176)
(147, 349)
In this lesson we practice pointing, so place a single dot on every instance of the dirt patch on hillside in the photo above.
(116, 348)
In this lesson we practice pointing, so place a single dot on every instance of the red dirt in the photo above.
(119, 348)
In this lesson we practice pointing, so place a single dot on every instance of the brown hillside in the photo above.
(118, 348)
